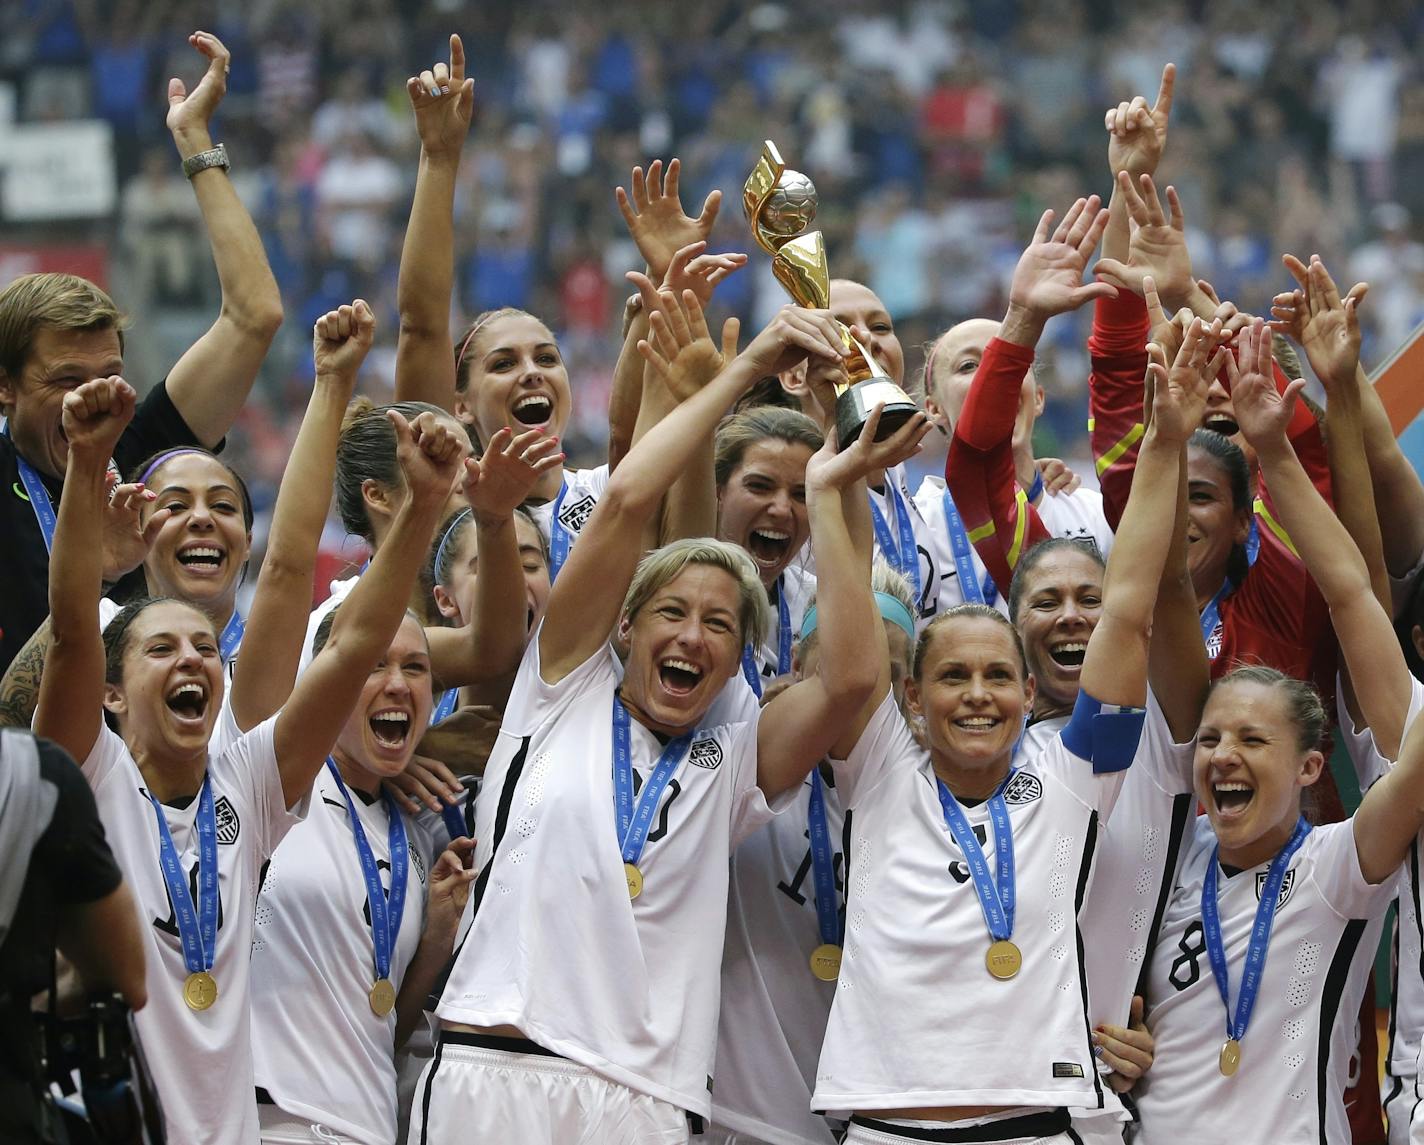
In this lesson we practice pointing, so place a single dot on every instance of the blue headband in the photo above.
(164, 458)
(891, 608)
(445, 540)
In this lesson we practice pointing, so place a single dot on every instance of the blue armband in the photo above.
(1104, 734)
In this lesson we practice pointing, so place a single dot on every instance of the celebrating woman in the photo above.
(923, 894)
(191, 827)
(612, 842)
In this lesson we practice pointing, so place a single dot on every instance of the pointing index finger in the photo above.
(1163, 106)
(457, 61)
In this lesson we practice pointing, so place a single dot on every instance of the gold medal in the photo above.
(1230, 1060)
(1003, 959)
(383, 997)
(200, 990)
(826, 962)
(635, 880)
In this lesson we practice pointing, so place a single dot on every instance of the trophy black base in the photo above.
(854, 406)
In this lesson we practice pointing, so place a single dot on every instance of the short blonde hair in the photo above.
(663, 565)
(50, 301)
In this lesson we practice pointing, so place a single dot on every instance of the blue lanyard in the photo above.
(751, 654)
(197, 929)
(996, 901)
(634, 823)
(905, 555)
(559, 540)
(231, 638)
(454, 817)
(38, 497)
(1211, 620)
(969, 586)
(1260, 932)
(448, 699)
(828, 911)
(385, 917)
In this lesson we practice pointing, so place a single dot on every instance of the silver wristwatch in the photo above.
(213, 157)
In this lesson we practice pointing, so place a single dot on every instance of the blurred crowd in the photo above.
(934, 130)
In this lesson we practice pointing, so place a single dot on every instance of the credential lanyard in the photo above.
(559, 540)
(385, 916)
(1260, 932)
(904, 554)
(828, 912)
(969, 586)
(995, 900)
(197, 928)
(634, 822)
(751, 654)
(231, 638)
(39, 500)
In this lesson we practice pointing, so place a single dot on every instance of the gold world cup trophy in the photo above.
(780, 205)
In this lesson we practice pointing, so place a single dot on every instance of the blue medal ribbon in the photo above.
(751, 654)
(38, 497)
(1260, 932)
(559, 540)
(995, 900)
(454, 817)
(969, 586)
(904, 555)
(828, 911)
(385, 916)
(231, 638)
(1037, 487)
(446, 707)
(634, 822)
(1211, 620)
(197, 928)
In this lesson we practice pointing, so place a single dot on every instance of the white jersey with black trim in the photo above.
(774, 1009)
(585, 487)
(799, 585)
(926, 603)
(201, 1060)
(339, 591)
(929, 499)
(552, 943)
(1295, 1057)
(1140, 850)
(918, 1020)
(1077, 515)
(318, 1048)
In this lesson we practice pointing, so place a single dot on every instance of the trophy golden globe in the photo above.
(780, 204)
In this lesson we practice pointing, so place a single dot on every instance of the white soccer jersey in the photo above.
(554, 946)
(1078, 514)
(339, 591)
(927, 595)
(774, 1009)
(313, 965)
(584, 488)
(1296, 1053)
(1140, 850)
(201, 1060)
(799, 586)
(918, 1020)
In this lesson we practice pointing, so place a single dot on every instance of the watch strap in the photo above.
(213, 157)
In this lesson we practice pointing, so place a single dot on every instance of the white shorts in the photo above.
(716, 1135)
(469, 1093)
(278, 1127)
(1404, 1111)
(1048, 1128)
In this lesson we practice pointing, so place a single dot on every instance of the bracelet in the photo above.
(213, 157)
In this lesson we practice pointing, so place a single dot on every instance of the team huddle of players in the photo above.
(733, 790)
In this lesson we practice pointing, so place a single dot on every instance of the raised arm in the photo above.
(491, 645)
(1115, 666)
(1392, 813)
(276, 626)
(1378, 673)
(1398, 492)
(443, 101)
(826, 713)
(71, 700)
(588, 595)
(211, 381)
(979, 472)
(430, 453)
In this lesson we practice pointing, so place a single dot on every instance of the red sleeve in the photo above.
(1117, 349)
(979, 472)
